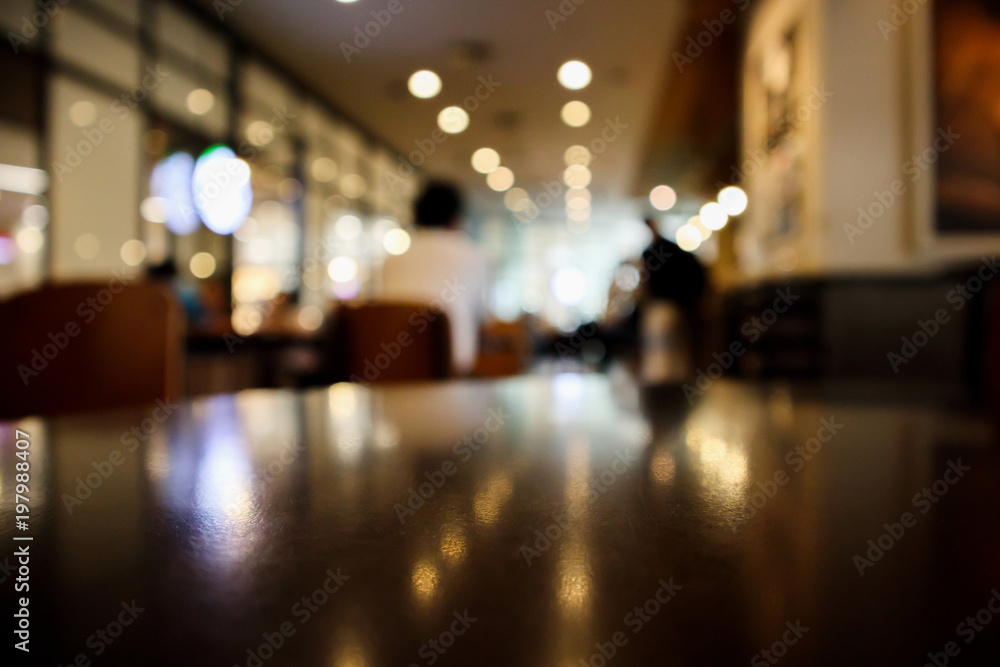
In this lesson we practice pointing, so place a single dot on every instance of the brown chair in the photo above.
(77, 347)
(380, 342)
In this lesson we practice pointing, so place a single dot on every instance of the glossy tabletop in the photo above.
(557, 520)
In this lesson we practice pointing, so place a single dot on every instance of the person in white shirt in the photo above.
(444, 268)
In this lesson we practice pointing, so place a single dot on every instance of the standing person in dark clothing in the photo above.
(670, 321)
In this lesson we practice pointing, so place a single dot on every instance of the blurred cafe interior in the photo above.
(544, 332)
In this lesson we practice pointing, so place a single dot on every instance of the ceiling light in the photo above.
(663, 197)
(202, 265)
(396, 241)
(576, 114)
(577, 176)
(713, 216)
(516, 199)
(733, 200)
(688, 238)
(485, 160)
(500, 179)
(453, 120)
(577, 155)
(200, 101)
(575, 75)
(424, 84)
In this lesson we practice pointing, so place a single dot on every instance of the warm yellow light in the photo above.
(260, 133)
(485, 160)
(453, 120)
(713, 216)
(202, 265)
(133, 252)
(688, 238)
(575, 75)
(577, 155)
(578, 193)
(342, 269)
(82, 113)
(733, 200)
(324, 169)
(500, 179)
(154, 209)
(310, 318)
(577, 176)
(576, 114)
(353, 186)
(30, 240)
(663, 197)
(396, 241)
(200, 101)
(578, 215)
(424, 84)
(516, 199)
(695, 221)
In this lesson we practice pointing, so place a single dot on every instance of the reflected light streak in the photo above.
(453, 544)
(489, 502)
(424, 581)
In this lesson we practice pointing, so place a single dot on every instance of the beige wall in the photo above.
(858, 143)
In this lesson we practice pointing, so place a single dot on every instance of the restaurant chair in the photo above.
(70, 348)
(382, 342)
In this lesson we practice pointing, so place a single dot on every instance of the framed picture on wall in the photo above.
(966, 145)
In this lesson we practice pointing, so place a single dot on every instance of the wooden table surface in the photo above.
(558, 520)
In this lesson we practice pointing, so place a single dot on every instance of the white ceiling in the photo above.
(627, 45)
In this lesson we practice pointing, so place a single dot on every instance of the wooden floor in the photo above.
(548, 520)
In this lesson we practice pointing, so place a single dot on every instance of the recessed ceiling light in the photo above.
(575, 75)
(577, 155)
(576, 114)
(713, 216)
(485, 160)
(500, 179)
(424, 84)
(576, 176)
(663, 197)
(453, 120)
(733, 200)
(200, 101)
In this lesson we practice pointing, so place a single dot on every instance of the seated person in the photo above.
(442, 267)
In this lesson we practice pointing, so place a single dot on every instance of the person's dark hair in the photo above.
(439, 206)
